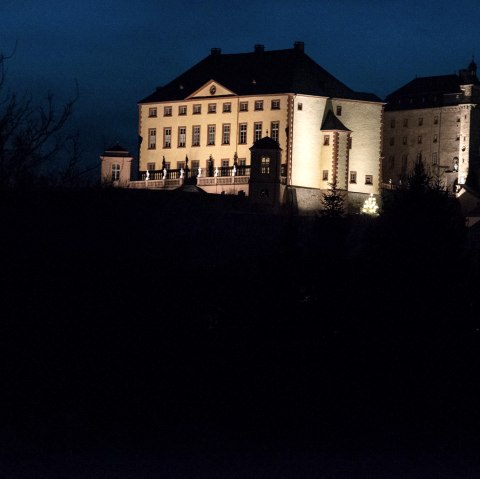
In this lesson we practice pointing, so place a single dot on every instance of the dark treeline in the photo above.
(161, 334)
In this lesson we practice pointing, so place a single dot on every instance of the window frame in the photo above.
(275, 126)
(226, 130)
(167, 144)
(182, 144)
(115, 171)
(152, 135)
(211, 130)
(257, 132)
(242, 130)
(227, 107)
(196, 136)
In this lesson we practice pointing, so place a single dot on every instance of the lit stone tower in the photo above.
(116, 166)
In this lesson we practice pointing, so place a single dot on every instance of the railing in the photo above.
(169, 179)
(159, 174)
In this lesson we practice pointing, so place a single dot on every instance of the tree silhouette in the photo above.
(32, 136)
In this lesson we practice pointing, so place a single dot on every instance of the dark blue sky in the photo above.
(119, 50)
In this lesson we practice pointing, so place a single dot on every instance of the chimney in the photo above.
(215, 51)
(299, 46)
(259, 48)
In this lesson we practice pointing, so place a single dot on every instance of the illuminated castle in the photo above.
(200, 127)
(436, 119)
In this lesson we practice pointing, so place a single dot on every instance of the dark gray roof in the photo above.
(428, 92)
(260, 72)
(332, 122)
(116, 150)
(265, 143)
(186, 188)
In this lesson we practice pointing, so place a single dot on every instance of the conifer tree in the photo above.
(333, 202)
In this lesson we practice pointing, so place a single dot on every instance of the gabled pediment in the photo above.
(211, 89)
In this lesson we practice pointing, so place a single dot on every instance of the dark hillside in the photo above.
(150, 334)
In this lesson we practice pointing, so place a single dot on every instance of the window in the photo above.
(392, 141)
(434, 158)
(404, 140)
(242, 162)
(244, 106)
(259, 105)
(182, 136)
(182, 110)
(226, 134)
(167, 165)
(420, 121)
(152, 138)
(152, 112)
(212, 108)
(349, 143)
(257, 131)
(275, 127)
(196, 135)
(435, 120)
(242, 136)
(227, 107)
(404, 163)
(265, 166)
(325, 175)
(115, 172)
(391, 162)
(211, 135)
(326, 140)
(339, 110)
(197, 109)
(167, 137)
(195, 167)
(180, 165)
(224, 168)
(458, 120)
(419, 139)
(458, 137)
(353, 177)
(392, 123)
(369, 179)
(435, 138)
(405, 122)
(299, 106)
(167, 111)
(151, 166)
(275, 104)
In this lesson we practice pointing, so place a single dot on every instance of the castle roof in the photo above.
(266, 143)
(432, 91)
(332, 122)
(258, 73)
(116, 150)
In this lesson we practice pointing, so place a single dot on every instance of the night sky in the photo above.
(119, 51)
